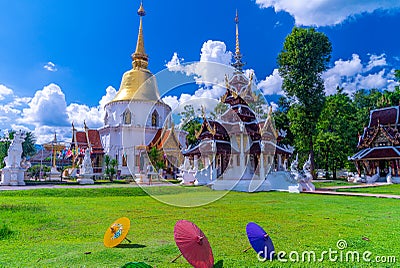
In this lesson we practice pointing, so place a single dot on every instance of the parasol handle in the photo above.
(177, 257)
(247, 249)
(129, 241)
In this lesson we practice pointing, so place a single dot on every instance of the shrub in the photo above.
(5, 232)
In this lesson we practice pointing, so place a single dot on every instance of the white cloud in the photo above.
(342, 69)
(272, 84)
(175, 61)
(48, 111)
(353, 75)
(211, 69)
(274, 106)
(209, 73)
(376, 80)
(5, 91)
(110, 95)
(376, 61)
(47, 107)
(172, 101)
(326, 12)
(51, 67)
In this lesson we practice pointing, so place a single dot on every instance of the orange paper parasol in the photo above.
(117, 232)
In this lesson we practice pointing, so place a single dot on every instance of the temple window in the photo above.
(127, 117)
(106, 119)
(124, 160)
(154, 119)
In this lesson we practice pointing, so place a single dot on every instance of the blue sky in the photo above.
(61, 61)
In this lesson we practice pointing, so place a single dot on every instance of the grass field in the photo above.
(65, 227)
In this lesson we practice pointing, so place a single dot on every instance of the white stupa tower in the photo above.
(136, 113)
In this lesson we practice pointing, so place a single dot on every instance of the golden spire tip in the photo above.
(141, 12)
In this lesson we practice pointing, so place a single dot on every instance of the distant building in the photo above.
(81, 140)
(379, 145)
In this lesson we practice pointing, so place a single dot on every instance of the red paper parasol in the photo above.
(193, 244)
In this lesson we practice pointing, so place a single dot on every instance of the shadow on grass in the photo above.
(131, 246)
(219, 264)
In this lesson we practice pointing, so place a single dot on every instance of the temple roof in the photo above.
(165, 139)
(94, 140)
(376, 153)
(221, 147)
(384, 116)
(211, 129)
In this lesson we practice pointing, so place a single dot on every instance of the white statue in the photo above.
(293, 169)
(307, 170)
(295, 163)
(25, 164)
(86, 170)
(304, 178)
(86, 167)
(13, 158)
(389, 176)
(13, 173)
(285, 165)
(374, 178)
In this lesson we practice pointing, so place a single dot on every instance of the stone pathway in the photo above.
(64, 186)
(331, 190)
(353, 194)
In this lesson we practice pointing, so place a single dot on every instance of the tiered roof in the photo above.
(381, 139)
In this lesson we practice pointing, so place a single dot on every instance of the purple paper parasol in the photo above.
(260, 241)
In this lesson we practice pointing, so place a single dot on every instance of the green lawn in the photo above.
(329, 183)
(56, 227)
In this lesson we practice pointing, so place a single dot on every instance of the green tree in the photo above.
(192, 123)
(281, 120)
(110, 167)
(337, 132)
(156, 158)
(28, 146)
(34, 171)
(219, 109)
(304, 57)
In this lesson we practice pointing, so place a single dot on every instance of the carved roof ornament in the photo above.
(206, 125)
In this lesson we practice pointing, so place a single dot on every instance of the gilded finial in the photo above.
(237, 33)
(141, 12)
(238, 64)
(203, 112)
(140, 58)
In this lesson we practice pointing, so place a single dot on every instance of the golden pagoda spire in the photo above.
(237, 33)
(238, 64)
(140, 60)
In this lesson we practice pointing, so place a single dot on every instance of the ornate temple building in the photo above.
(379, 144)
(239, 145)
(81, 140)
(136, 114)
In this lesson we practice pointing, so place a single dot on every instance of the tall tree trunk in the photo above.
(312, 167)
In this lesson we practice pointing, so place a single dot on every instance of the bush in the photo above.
(5, 232)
